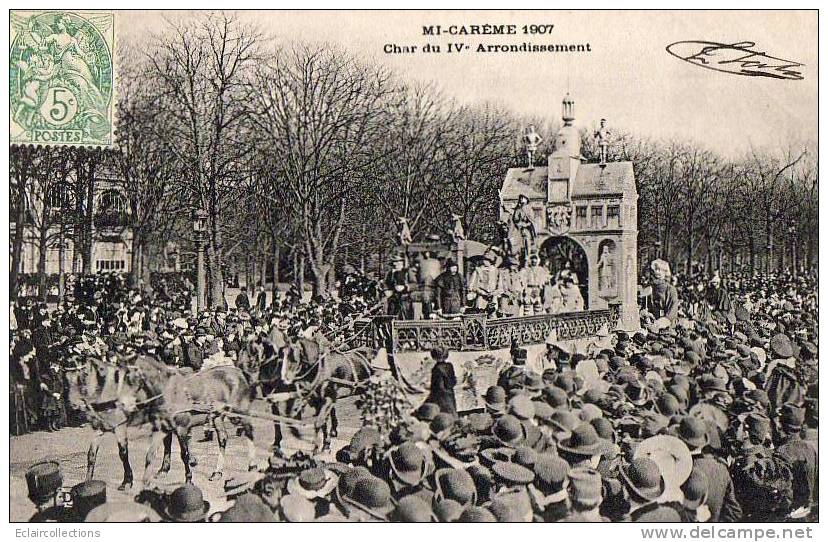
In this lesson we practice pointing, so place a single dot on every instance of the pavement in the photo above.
(69, 446)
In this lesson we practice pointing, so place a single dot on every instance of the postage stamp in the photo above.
(61, 78)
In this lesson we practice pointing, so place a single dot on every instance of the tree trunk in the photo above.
(689, 252)
(61, 264)
(17, 248)
(247, 279)
(148, 262)
(364, 249)
(41, 264)
(321, 278)
(214, 276)
(275, 265)
(300, 273)
(135, 259)
(88, 219)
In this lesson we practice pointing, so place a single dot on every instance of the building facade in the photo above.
(586, 219)
(50, 222)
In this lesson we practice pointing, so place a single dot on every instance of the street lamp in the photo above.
(200, 228)
(721, 253)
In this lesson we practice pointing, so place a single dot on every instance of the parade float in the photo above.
(568, 216)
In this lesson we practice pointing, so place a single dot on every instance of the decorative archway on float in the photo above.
(563, 252)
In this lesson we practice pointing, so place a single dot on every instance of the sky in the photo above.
(628, 77)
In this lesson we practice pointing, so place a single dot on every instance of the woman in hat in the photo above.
(450, 290)
(483, 285)
(583, 447)
(443, 381)
(368, 500)
(513, 480)
(549, 488)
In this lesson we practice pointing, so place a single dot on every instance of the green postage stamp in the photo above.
(61, 78)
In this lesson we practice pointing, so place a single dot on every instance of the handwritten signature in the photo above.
(739, 58)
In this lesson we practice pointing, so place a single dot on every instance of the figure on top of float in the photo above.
(602, 136)
(458, 234)
(531, 140)
(428, 270)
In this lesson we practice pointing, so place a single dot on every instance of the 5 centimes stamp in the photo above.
(61, 78)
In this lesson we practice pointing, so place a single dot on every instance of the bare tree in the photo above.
(144, 168)
(482, 145)
(199, 70)
(316, 110)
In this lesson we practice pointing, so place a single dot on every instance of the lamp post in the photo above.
(721, 253)
(199, 228)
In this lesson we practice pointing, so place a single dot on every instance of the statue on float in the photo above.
(602, 136)
(531, 140)
(458, 233)
(519, 234)
(606, 270)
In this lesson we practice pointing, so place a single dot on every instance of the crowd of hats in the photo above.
(107, 318)
(645, 426)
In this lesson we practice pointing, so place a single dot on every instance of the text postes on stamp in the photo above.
(61, 80)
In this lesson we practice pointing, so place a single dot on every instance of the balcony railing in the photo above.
(476, 332)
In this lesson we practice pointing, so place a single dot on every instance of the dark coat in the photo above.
(664, 301)
(261, 301)
(721, 499)
(242, 302)
(802, 458)
(656, 513)
(441, 392)
(783, 387)
(512, 377)
(450, 290)
(719, 300)
(399, 304)
(194, 356)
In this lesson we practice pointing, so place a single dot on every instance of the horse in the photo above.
(145, 390)
(307, 372)
(189, 399)
(101, 389)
